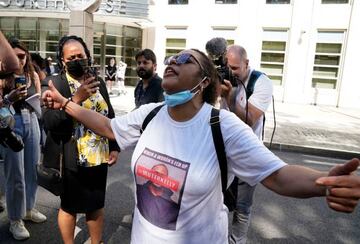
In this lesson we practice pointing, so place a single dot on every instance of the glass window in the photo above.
(176, 2)
(26, 32)
(7, 26)
(327, 60)
(132, 31)
(226, 1)
(230, 42)
(334, 1)
(114, 30)
(132, 42)
(42, 35)
(50, 34)
(174, 46)
(277, 1)
(273, 55)
(122, 42)
(64, 27)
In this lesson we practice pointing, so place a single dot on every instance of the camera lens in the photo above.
(11, 140)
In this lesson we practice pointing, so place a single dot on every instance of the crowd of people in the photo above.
(178, 190)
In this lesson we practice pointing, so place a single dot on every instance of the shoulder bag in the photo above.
(52, 178)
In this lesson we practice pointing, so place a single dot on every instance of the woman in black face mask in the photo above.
(86, 154)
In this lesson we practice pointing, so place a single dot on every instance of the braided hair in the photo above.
(60, 49)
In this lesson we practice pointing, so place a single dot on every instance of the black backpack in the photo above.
(230, 194)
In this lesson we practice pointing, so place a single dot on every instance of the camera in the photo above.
(216, 49)
(224, 71)
(7, 137)
(11, 140)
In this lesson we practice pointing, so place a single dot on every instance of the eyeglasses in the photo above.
(183, 58)
(21, 56)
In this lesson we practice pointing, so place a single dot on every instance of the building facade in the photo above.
(41, 23)
(308, 48)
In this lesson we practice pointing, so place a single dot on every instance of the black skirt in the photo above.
(84, 190)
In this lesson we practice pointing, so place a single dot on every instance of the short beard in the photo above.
(145, 74)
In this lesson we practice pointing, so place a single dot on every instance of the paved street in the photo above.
(276, 219)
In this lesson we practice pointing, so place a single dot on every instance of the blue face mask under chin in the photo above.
(181, 97)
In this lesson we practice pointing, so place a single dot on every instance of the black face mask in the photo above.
(77, 68)
(144, 74)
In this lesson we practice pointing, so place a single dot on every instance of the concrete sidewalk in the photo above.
(319, 130)
(123, 103)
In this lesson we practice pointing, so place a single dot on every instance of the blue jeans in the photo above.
(239, 225)
(20, 169)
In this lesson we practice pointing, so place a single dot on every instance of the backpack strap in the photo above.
(250, 90)
(149, 117)
(219, 146)
(251, 84)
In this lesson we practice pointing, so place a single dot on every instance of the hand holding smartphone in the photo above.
(20, 88)
(91, 72)
(88, 87)
(20, 81)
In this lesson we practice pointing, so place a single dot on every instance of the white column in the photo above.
(81, 24)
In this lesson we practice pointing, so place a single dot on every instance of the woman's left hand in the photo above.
(52, 98)
(87, 88)
(343, 186)
(113, 157)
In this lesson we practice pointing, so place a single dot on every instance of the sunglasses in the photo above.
(183, 58)
(21, 56)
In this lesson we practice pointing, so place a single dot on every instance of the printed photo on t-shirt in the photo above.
(160, 181)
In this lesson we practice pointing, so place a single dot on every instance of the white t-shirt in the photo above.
(261, 99)
(190, 209)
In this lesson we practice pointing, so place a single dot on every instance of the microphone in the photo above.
(216, 47)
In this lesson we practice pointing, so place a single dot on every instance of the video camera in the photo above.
(216, 49)
(7, 137)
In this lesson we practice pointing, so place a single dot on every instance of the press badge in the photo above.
(25, 114)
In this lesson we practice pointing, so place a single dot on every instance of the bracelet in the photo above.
(66, 103)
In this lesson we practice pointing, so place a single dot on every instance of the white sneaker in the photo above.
(18, 230)
(35, 216)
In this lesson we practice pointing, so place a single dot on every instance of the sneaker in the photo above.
(35, 216)
(18, 230)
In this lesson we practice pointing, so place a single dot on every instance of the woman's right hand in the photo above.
(87, 88)
(17, 94)
(226, 91)
(52, 98)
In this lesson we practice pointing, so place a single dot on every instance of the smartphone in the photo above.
(92, 72)
(20, 81)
